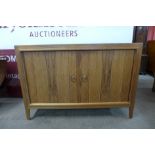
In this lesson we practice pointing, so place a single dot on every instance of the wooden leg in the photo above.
(27, 111)
(131, 108)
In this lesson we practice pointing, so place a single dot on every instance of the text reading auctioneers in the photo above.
(63, 33)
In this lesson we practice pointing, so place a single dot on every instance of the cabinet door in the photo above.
(104, 76)
(78, 76)
(48, 76)
(116, 71)
(54, 77)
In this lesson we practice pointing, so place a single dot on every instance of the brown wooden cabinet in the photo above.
(151, 55)
(140, 36)
(79, 76)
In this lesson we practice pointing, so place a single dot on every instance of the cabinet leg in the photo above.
(131, 111)
(27, 111)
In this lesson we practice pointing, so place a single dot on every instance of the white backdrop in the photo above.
(11, 36)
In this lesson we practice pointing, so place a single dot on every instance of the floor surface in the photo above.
(12, 114)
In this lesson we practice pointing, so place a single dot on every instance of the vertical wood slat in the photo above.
(73, 81)
(127, 73)
(62, 76)
(84, 75)
(41, 76)
(95, 75)
(107, 57)
(51, 69)
(37, 75)
(116, 75)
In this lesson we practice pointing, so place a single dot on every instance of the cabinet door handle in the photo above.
(84, 77)
(73, 78)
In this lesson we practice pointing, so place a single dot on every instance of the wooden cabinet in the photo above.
(151, 54)
(140, 36)
(79, 76)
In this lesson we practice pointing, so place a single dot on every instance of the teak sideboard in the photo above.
(79, 76)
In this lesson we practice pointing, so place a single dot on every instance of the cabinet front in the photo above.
(78, 76)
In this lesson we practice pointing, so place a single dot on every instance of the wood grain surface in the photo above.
(84, 76)
(79, 74)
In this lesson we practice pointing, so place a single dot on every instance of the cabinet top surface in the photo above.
(77, 47)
